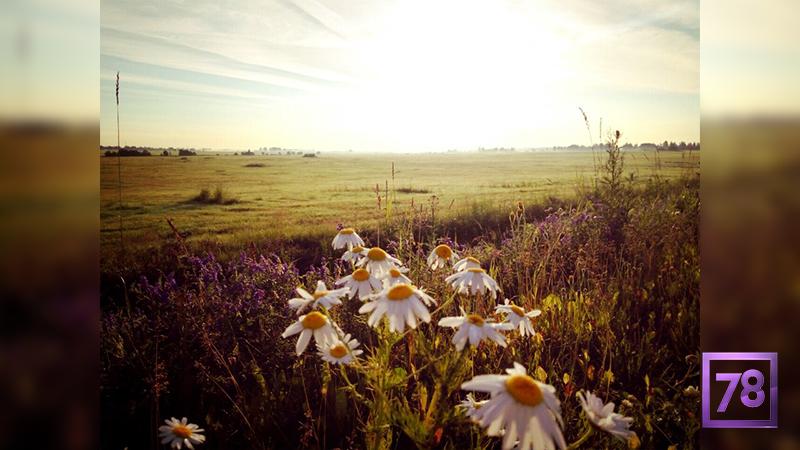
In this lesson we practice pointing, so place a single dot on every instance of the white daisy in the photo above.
(519, 408)
(402, 304)
(312, 324)
(347, 237)
(517, 317)
(470, 406)
(378, 261)
(339, 352)
(474, 328)
(178, 433)
(360, 282)
(321, 297)
(441, 256)
(394, 276)
(473, 280)
(603, 416)
(467, 263)
(354, 254)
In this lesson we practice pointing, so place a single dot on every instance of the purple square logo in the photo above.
(740, 390)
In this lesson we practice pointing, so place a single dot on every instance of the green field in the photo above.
(291, 196)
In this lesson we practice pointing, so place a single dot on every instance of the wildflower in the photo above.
(339, 351)
(474, 328)
(360, 282)
(378, 261)
(519, 408)
(354, 254)
(179, 433)
(347, 237)
(467, 263)
(321, 297)
(394, 276)
(603, 416)
(402, 304)
(691, 391)
(473, 280)
(441, 256)
(470, 406)
(517, 317)
(312, 324)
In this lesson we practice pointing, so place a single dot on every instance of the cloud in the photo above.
(365, 67)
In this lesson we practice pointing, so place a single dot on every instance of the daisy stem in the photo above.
(430, 418)
(350, 384)
(582, 439)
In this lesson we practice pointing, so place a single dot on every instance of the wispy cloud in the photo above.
(362, 67)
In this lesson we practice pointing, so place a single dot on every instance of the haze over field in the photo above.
(397, 76)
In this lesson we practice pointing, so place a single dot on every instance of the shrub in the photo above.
(219, 197)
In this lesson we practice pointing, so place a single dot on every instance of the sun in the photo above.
(457, 74)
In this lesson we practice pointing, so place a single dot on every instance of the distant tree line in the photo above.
(146, 151)
(669, 145)
(497, 149)
(664, 146)
(128, 151)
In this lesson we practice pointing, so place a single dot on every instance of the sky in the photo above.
(750, 58)
(397, 75)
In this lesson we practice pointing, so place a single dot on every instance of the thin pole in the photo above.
(119, 173)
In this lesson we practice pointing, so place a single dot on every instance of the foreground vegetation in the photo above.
(614, 270)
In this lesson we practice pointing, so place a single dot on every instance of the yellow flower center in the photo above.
(319, 294)
(517, 310)
(395, 273)
(357, 249)
(182, 431)
(361, 275)
(338, 350)
(476, 270)
(376, 254)
(474, 260)
(475, 319)
(347, 231)
(400, 292)
(314, 320)
(443, 251)
(524, 390)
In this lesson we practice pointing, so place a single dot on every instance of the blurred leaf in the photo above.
(396, 377)
(422, 391)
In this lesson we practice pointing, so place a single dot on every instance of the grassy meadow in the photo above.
(196, 322)
(279, 198)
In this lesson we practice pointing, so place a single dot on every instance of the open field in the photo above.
(290, 196)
